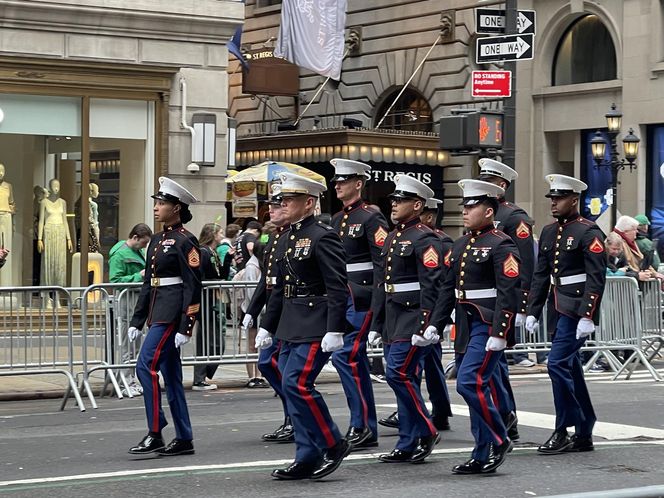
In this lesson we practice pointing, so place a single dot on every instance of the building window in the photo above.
(585, 53)
(411, 112)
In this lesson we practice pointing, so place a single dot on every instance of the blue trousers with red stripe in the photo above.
(434, 375)
(475, 369)
(352, 363)
(403, 374)
(570, 393)
(159, 354)
(501, 388)
(268, 366)
(315, 431)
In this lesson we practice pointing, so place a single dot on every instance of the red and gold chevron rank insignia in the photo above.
(523, 230)
(596, 246)
(446, 260)
(511, 267)
(194, 258)
(430, 258)
(380, 236)
(193, 309)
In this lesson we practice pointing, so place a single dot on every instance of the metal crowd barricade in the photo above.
(653, 320)
(37, 334)
(218, 339)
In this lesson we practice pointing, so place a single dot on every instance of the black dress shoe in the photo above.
(441, 422)
(148, 444)
(392, 421)
(177, 447)
(396, 456)
(497, 456)
(332, 458)
(424, 448)
(284, 432)
(580, 443)
(296, 470)
(557, 443)
(356, 435)
(369, 443)
(472, 466)
(513, 433)
(510, 420)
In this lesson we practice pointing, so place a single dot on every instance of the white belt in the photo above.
(475, 293)
(271, 280)
(409, 287)
(161, 282)
(569, 280)
(353, 267)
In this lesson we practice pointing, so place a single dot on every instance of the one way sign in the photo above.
(504, 48)
(492, 21)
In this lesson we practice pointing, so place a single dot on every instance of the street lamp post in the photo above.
(615, 164)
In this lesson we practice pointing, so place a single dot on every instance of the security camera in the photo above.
(193, 168)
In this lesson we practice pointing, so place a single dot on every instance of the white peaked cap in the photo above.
(561, 185)
(432, 203)
(408, 186)
(474, 191)
(172, 191)
(496, 168)
(347, 168)
(292, 183)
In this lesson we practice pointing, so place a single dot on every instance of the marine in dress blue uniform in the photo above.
(268, 358)
(363, 230)
(516, 223)
(307, 313)
(170, 304)
(481, 287)
(408, 290)
(571, 268)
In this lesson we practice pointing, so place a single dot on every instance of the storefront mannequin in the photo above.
(39, 194)
(93, 219)
(53, 238)
(7, 209)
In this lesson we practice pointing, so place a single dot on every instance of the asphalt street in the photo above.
(45, 452)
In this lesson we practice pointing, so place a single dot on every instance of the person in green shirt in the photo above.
(643, 241)
(126, 259)
(126, 265)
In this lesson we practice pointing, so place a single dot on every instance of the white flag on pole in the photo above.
(312, 35)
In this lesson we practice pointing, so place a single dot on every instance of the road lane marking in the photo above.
(606, 430)
(254, 465)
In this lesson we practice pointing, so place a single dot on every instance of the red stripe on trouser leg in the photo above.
(275, 362)
(411, 390)
(486, 415)
(309, 399)
(155, 379)
(494, 394)
(359, 340)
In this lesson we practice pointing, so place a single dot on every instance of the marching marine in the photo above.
(571, 267)
(362, 229)
(408, 289)
(481, 287)
(170, 303)
(307, 313)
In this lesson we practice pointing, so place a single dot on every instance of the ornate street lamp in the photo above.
(614, 164)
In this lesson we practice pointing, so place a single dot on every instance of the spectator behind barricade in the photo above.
(268, 229)
(250, 273)
(244, 245)
(126, 259)
(3, 256)
(626, 228)
(226, 250)
(209, 342)
(126, 264)
(616, 263)
(643, 241)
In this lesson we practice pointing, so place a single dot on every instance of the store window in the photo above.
(411, 112)
(40, 190)
(655, 181)
(585, 53)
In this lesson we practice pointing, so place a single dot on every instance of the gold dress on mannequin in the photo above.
(54, 240)
(7, 209)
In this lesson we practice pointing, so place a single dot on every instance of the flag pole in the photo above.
(403, 89)
(320, 89)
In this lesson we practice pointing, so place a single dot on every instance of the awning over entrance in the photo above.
(313, 146)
